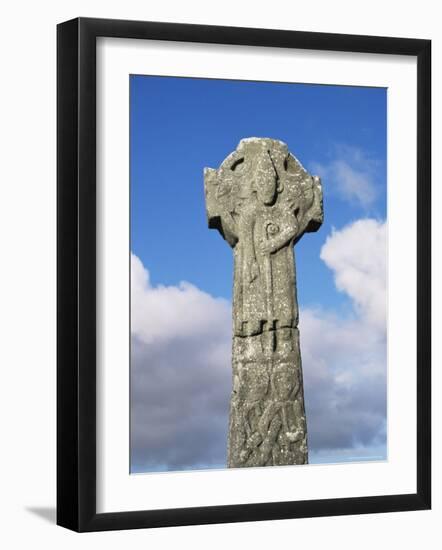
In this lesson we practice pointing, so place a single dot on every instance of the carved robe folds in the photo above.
(262, 201)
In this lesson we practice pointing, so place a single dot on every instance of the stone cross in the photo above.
(262, 201)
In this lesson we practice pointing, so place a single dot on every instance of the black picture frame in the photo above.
(76, 273)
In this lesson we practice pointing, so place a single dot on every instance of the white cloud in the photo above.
(180, 374)
(167, 312)
(181, 362)
(345, 381)
(351, 175)
(357, 255)
(345, 358)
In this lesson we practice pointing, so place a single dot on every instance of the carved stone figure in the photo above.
(262, 201)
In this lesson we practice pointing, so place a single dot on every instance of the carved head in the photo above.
(256, 158)
(311, 208)
(285, 381)
(253, 382)
(263, 176)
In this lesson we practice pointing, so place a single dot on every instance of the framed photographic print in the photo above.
(204, 374)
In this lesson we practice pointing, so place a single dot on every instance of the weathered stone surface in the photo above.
(262, 201)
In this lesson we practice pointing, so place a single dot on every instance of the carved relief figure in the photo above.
(262, 201)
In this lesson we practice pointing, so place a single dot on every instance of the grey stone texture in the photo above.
(262, 201)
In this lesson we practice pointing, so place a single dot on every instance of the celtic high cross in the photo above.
(262, 201)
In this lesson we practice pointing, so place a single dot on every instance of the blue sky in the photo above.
(178, 126)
